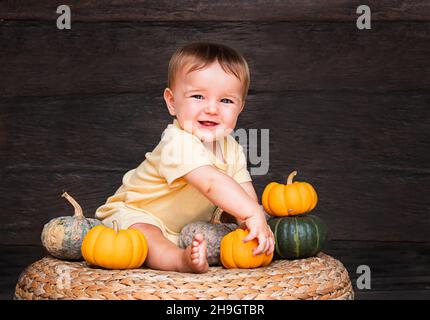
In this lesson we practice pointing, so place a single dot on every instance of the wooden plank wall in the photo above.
(348, 109)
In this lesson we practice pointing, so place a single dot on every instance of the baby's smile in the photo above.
(208, 124)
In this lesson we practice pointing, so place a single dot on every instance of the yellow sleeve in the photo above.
(241, 174)
(181, 154)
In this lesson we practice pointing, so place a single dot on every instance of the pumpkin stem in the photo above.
(78, 209)
(216, 216)
(115, 226)
(291, 176)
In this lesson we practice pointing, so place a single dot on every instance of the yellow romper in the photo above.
(155, 192)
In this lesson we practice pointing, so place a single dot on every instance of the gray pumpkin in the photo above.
(212, 231)
(62, 237)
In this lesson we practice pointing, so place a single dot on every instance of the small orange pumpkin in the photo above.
(237, 254)
(281, 200)
(114, 249)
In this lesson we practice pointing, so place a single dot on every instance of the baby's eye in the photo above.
(197, 96)
(225, 100)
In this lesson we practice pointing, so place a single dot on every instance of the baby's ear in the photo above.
(170, 101)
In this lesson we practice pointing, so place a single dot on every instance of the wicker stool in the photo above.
(321, 277)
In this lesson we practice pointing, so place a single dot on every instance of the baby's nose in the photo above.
(211, 107)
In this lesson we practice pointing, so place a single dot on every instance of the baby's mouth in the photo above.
(208, 123)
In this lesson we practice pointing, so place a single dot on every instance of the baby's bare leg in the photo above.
(165, 255)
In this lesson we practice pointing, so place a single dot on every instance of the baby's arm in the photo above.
(230, 196)
(223, 191)
(249, 188)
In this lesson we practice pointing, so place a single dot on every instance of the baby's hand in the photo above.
(258, 228)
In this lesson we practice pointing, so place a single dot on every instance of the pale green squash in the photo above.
(213, 231)
(62, 237)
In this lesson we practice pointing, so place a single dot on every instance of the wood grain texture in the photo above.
(34, 199)
(399, 270)
(40, 60)
(353, 209)
(346, 108)
(327, 131)
(366, 154)
(233, 10)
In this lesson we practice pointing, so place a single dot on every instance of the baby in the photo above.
(197, 167)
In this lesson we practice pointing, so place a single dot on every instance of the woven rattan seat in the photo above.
(320, 277)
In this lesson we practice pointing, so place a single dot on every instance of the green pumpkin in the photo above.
(213, 231)
(298, 237)
(62, 237)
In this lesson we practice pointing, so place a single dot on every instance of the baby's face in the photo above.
(206, 102)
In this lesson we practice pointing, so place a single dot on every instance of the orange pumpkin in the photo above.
(114, 249)
(237, 254)
(281, 200)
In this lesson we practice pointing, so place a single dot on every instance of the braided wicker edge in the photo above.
(317, 278)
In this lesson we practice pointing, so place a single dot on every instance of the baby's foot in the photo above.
(195, 255)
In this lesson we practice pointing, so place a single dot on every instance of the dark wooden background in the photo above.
(347, 108)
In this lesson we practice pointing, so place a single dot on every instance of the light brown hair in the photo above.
(198, 55)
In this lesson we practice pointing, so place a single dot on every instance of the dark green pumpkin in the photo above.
(298, 237)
